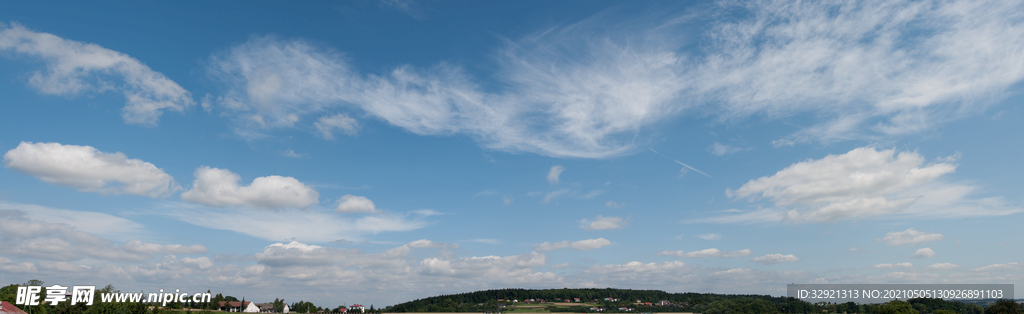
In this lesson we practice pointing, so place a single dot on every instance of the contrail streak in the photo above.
(681, 163)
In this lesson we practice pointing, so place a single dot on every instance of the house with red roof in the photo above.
(8, 308)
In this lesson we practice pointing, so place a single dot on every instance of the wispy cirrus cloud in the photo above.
(317, 225)
(900, 66)
(710, 236)
(872, 68)
(74, 67)
(998, 267)
(26, 234)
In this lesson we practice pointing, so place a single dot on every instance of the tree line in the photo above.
(9, 294)
(706, 303)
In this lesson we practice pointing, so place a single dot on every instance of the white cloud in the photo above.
(602, 223)
(898, 265)
(355, 204)
(679, 276)
(909, 236)
(589, 89)
(312, 225)
(219, 188)
(487, 241)
(612, 204)
(88, 169)
(583, 245)
(153, 248)
(74, 67)
(863, 183)
(712, 252)
(856, 184)
(852, 61)
(100, 224)
(412, 8)
(923, 253)
(775, 259)
(310, 264)
(22, 235)
(579, 108)
(554, 173)
(710, 236)
(552, 195)
(754, 216)
(862, 172)
(327, 124)
(998, 267)
(943, 266)
(719, 149)
(10, 266)
(292, 154)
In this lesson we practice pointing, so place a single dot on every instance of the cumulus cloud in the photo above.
(943, 266)
(219, 188)
(775, 259)
(74, 67)
(554, 173)
(88, 169)
(910, 237)
(923, 253)
(582, 245)
(862, 183)
(602, 223)
(856, 184)
(355, 204)
(998, 267)
(898, 265)
(712, 252)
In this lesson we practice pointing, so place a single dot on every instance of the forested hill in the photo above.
(640, 301)
(482, 301)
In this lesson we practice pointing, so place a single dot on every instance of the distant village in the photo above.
(501, 303)
(253, 307)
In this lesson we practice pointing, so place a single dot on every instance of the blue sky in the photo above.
(377, 152)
